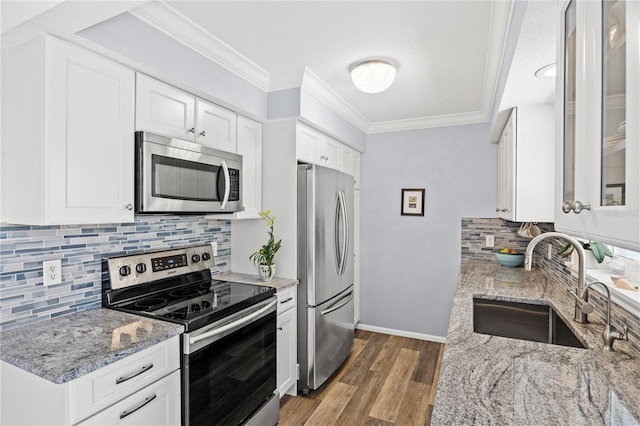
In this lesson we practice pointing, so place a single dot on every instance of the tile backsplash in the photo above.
(23, 297)
(474, 231)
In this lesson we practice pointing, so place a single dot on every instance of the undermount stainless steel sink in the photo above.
(526, 321)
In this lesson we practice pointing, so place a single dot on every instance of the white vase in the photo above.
(590, 260)
(267, 272)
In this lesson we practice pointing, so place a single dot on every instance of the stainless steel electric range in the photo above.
(229, 343)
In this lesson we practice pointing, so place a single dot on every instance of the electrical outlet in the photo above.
(214, 248)
(52, 272)
(489, 241)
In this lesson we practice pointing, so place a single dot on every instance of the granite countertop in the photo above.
(499, 381)
(67, 347)
(276, 282)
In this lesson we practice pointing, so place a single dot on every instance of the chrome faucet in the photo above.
(579, 315)
(610, 333)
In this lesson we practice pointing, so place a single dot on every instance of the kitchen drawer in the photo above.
(96, 391)
(157, 405)
(286, 299)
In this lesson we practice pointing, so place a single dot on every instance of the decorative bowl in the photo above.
(510, 260)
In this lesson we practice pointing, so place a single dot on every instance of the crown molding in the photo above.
(173, 23)
(429, 122)
(500, 23)
(317, 87)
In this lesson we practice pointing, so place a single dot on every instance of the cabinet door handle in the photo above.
(202, 133)
(129, 207)
(134, 373)
(192, 130)
(280, 328)
(130, 411)
(576, 206)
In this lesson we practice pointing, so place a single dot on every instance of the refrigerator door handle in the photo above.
(345, 232)
(339, 305)
(337, 245)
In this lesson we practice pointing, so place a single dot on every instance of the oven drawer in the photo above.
(286, 299)
(157, 405)
(96, 391)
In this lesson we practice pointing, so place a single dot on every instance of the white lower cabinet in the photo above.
(286, 369)
(141, 389)
(157, 404)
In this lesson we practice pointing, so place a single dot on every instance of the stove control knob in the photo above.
(206, 256)
(141, 268)
(125, 270)
(195, 307)
(195, 258)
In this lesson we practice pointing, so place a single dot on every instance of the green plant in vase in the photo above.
(263, 258)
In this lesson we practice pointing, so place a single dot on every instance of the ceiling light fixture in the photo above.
(548, 71)
(373, 76)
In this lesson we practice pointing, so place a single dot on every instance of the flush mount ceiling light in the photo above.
(373, 76)
(548, 71)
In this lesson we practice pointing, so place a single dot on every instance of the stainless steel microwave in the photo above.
(178, 176)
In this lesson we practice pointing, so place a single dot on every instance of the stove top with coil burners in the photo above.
(192, 298)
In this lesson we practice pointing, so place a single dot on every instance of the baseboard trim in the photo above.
(420, 336)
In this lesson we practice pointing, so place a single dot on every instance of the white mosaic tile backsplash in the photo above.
(23, 297)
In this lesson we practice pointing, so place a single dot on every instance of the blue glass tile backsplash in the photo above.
(23, 297)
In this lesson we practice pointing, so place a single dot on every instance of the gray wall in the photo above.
(410, 264)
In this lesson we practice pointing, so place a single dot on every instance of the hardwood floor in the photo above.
(387, 380)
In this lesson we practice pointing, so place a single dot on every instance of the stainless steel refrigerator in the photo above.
(325, 272)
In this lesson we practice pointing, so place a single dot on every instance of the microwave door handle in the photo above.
(227, 184)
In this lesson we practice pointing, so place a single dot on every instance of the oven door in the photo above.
(181, 176)
(229, 368)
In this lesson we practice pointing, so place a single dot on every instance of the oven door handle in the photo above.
(234, 325)
(227, 184)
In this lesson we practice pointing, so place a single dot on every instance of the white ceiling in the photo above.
(449, 52)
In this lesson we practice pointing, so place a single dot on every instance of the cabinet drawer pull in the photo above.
(202, 133)
(287, 300)
(134, 374)
(127, 412)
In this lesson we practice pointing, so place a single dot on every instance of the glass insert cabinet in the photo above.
(598, 97)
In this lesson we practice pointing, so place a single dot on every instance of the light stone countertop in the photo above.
(490, 380)
(70, 346)
(276, 282)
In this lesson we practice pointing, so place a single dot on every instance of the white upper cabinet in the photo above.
(250, 147)
(215, 126)
(599, 121)
(526, 175)
(317, 148)
(351, 164)
(163, 109)
(309, 144)
(68, 138)
(167, 110)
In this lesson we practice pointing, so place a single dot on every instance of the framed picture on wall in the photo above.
(412, 202)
